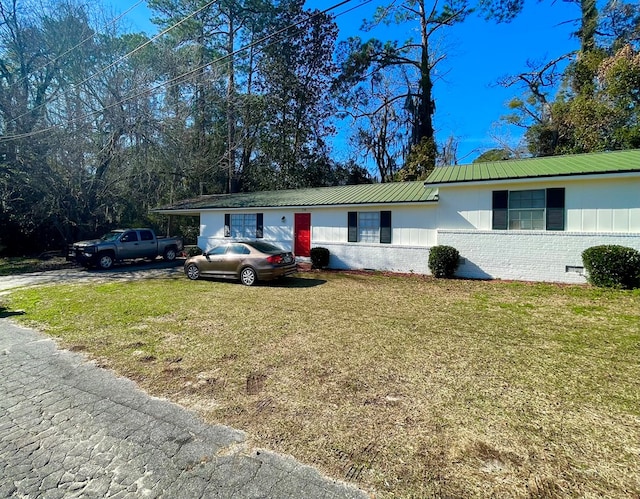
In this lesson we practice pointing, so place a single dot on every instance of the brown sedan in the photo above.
(249, 261)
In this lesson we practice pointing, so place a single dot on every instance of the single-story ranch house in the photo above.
(527, 219)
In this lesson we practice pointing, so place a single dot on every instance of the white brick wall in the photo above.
(527, 256)
(404, 259)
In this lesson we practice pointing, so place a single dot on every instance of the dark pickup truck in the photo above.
(124, 244)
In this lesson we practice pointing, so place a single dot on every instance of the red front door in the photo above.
(302, 234)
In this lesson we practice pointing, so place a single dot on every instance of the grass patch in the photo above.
(408, 387)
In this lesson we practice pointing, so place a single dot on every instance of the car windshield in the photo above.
(111, 236)
(265, 247)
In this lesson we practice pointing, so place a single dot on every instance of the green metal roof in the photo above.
(551, 166)
(419, 192)
(397, 192)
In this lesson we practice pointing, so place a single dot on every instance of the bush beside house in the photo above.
(443, 261)
(319, 257)
(612, 266)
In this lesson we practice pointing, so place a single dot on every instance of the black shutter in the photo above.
(555, 208)
(385, 227)
(353, 226)
(259, 225)
(227, 225)
(500, 210)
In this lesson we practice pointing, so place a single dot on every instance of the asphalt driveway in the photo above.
(126, 271)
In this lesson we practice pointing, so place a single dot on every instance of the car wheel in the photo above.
(105, 261)
(248, 276)
(169, 254)
(193, 272)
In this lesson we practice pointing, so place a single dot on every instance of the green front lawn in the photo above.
(406, 386)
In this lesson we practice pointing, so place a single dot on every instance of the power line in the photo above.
(176, 79)
(295, 25)
(79, 44)
(253, 44)
(119, 60)
(151, 40)
(355, 7)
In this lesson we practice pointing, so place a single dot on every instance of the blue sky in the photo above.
(468, 100)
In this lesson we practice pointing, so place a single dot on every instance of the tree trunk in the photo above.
(231, 112)
(589, 25)
(424, 133)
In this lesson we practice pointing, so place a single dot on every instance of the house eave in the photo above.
(183, 212)
(197, 211)
(539, 178)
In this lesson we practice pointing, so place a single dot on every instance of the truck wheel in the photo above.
(193, 272)
(248, 276)
(105, 261)
(169, 254)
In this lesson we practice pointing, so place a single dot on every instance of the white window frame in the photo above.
(369, 226)
(527, 209)
(243, 225)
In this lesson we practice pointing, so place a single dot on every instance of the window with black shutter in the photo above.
(500, 210)
(555, 208)
(534, 209)
(259, 225)
(227, 225)
(244, 225)
(352, 220)
(385, 227)
(369, 227)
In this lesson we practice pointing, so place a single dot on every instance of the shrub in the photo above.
(443, 261)
(319, 257)
(612, 266)
(192, 251)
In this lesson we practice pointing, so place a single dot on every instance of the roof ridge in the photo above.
(544, 166)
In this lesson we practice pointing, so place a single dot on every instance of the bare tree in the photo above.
(362, 61)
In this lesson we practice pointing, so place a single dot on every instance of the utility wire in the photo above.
(239, 145)
(363, 3)
(151, 40)
(119, 60)
(251, 45)
(355, 7)
(180, 77)
(79, 44)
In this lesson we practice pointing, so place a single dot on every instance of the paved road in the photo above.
(71, 429)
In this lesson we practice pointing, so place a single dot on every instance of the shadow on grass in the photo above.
(296, 282)
(136, 265)
(5, 312)
(285, 282)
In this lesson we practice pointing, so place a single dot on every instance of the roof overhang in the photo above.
(341, 197)
(538, 179)
(198, 211)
